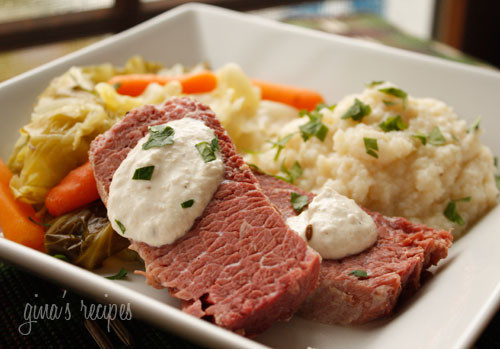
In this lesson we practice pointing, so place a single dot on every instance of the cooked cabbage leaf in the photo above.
(67, 117)
(84, 236)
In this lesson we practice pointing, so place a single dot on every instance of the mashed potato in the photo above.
(408, 178)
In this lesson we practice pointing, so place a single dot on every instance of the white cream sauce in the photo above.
(150, 211)
(334, 225)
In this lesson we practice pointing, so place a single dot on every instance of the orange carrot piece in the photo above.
(75, 190)
(135, 84)
(300, 98)
(5, 174)
(15, 216)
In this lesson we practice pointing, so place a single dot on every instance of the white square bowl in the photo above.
(449, 310)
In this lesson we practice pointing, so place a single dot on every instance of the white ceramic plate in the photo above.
(449, 311)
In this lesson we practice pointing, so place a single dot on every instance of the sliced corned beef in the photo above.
(240, 265)
(394, 265)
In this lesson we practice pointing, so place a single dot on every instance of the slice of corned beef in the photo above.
(240, 265)
(394, 265)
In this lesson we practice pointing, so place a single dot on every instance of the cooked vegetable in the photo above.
(300, 98)
(76, 190)
(15, 216)
(135, 84)
(84, 236)
(66, 118)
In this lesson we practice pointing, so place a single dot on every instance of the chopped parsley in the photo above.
(393, 123)
(389, 103)
(280, 144)
(45, 225)
(207, 150)
(291, 174)
(254, 167)
(371, 146)
(451, 211)
(143, 173)
(436, 137)
(421, 137)
(62, 257)
(396, 92)
(298, 201)
(314, 127)
(495, 161)
(497, 181)
(357, 111)
(187, 204)
(475, 125)
(159, 136)
(118, 276)
(360, 274)
(375, 83)
(121, 226)
(117, 85)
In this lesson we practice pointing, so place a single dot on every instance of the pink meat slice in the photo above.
(239, 266)
(394, 265)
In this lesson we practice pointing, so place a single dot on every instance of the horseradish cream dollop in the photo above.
(165, 182)
(334, 225)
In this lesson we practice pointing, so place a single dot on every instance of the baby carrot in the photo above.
(75, 190)
(135, 84)
(15, 216)
(300, 98)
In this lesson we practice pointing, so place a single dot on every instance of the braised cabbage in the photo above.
(67, 117)
(84, 236)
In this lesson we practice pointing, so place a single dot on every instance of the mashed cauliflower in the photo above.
(404, 176)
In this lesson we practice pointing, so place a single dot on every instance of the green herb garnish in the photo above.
(207, 150)
(357, 111)
(255, 167)
(371, 146)
(360, 274)
(475, 125)
(143, 173)
(314, 127)
(298, 201)
(497, 181)
(159, 136)
(62, 257)
(436, 137)
(393, 123)
(291, 174)
(45, 225)
(323, 105)
(117, 85)
(187, 204)
(389, 103)
(118, 276)
(396, 92)
(375, 83)
(421, 137)
(451, 211)
(280, 144)
(121, 226)
(495, 161)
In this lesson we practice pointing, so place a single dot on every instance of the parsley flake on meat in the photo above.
(144, 173)
(207, 150)
(160, 135)
(187, 204)
(298, 201)
(360, 274)
(371, 146)
(451, 211)
(396, 92)
(357, 111)
(393, 123)
(118, 276)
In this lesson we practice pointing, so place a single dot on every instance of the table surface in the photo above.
(21, 292)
